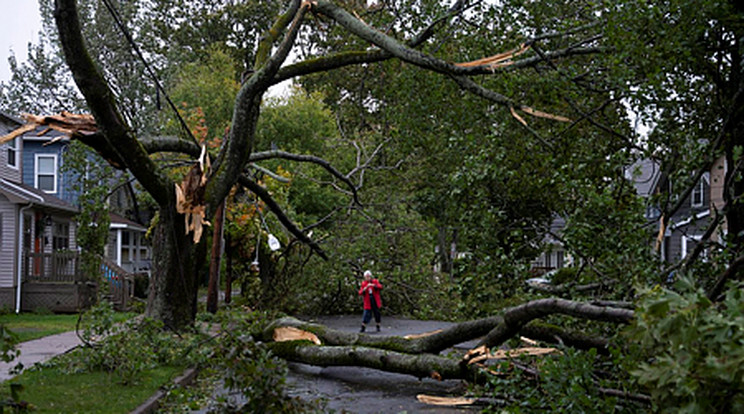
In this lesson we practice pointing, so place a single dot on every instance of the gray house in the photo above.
(38, 255)
(688, 224)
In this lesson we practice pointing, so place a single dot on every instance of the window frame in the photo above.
(698, 192)
(54, 173)
(12, 146)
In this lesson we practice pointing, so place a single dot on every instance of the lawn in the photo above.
(52, 391)
(30, 326)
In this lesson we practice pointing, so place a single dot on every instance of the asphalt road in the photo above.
(364, 390)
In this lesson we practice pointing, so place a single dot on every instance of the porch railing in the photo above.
(121, 283)
(59, 267)
(64, 267)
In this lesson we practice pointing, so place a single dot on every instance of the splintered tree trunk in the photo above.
(173, 289)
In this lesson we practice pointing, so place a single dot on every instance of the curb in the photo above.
(153, 403)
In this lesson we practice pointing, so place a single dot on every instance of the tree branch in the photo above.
(117, 135)
(264, 155)
(279, 213)
(230, 163)
(515, 318)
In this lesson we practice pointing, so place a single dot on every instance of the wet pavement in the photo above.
(364, 390)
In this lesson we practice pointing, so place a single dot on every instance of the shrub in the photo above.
(691, 350)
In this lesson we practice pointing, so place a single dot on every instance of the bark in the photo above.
(420, 366)
(213, 287)
(416, 355)
(173, 288)
(434, 343)
(517, 317)
(228, 268)
(441, 340)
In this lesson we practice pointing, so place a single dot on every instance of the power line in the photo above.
(117, 19)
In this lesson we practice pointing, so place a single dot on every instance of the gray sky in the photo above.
(21, 24)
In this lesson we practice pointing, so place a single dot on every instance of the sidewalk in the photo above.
(40, 350)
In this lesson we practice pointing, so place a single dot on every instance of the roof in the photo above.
(645, 175)
(119, 222)
(12, 118)
(21, 193)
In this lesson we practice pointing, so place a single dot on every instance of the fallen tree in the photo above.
(413, 354)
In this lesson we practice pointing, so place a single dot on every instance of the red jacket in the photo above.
(376, 286)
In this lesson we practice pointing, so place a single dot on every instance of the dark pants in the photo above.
(367, 315)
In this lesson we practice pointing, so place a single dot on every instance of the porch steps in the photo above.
(121, 284)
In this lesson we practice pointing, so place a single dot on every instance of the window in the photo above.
(12, 147)
(698, 194)
(61, 236)
(45, 178)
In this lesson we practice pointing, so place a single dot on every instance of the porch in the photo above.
(53, 281)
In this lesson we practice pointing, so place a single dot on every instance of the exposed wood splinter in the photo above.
(496, 61)
(422, 335)
(190, 196)
(288, 333)
(65, 122)
(444, 401)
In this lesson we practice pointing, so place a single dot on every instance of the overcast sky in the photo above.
(21, 24)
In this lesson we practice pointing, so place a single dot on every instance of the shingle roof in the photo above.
(22, 193)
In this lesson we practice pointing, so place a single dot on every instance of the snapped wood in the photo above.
(288, 333)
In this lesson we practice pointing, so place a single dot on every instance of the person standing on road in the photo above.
(370, 292)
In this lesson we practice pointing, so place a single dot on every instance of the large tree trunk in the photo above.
(173, 288)
(413, 354)
(420, 366)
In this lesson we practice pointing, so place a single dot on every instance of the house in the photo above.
(43, 159)
(38, 255)
(554, 254)
(127, 246)
(687, 225)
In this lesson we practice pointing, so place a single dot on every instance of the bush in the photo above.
(691, 350)
(141, 285)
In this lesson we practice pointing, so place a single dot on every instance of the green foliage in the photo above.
(124, 350)
(93, 180)
(691, 353)
(15, 403)
(554, 390)
(8, 341)
(249, 367)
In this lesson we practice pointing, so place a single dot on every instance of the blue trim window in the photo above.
(45, 175)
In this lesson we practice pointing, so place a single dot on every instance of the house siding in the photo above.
(6, 171)
(111, 246)
(64, 180)
(8, 221)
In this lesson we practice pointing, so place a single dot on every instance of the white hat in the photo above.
(367, 273)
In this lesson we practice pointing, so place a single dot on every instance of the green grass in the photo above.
(30, 326)
(51, 391)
